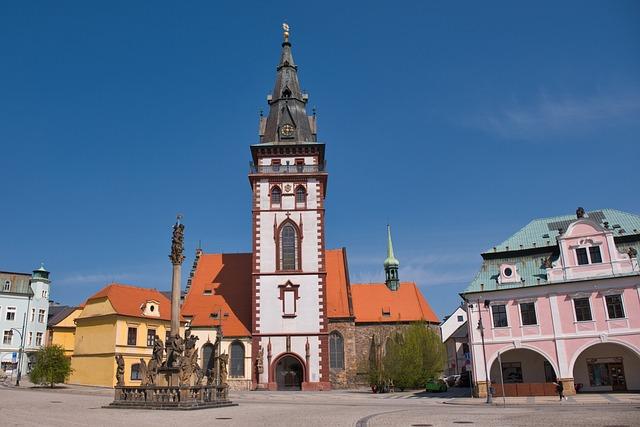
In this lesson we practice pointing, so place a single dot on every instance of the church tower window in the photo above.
(301, 197)
(288, 240)
(276, 196)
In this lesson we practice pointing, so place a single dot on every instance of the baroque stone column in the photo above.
(176, 257)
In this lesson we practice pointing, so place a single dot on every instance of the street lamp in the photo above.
(484, 353)
(19, 354)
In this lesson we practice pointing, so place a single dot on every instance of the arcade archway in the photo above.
(607, 367)
(525, 372)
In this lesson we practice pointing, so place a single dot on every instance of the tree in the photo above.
(51, 367)
(414, 356)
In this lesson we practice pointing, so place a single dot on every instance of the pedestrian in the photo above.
(560, 390)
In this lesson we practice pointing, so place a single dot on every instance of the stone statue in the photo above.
(259, 362)
(547, 263)
(223, 359)
(632, 252)
(145, 375)
(580, 212)
(158, 351)
(119, 370)
(175, 347)
(197, 370)
(177, 243)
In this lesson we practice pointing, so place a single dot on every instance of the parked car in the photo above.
(451, 380)
(436, 385)
(464, 380)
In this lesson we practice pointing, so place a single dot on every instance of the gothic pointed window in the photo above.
(336, 350)
(288, 240)
(276, 196)
(237, 359)
(286, 93)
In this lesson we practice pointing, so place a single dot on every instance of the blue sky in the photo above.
(457, 122)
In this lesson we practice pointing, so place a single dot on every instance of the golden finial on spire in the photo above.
(285, 30)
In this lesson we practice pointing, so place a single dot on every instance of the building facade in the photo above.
(559, 301)
(454, 332)
(24, 305)
(119, 319)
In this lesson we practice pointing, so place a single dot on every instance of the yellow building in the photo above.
(120, 319)
(61, 328)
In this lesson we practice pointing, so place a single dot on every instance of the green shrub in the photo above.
(51, 366)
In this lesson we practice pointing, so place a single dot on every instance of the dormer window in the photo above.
(508, 274)
(592, 256)
(151, 309)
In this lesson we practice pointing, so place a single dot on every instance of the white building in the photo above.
(455, 336)
(24, 306)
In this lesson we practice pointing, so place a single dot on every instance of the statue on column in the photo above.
(177, 243)
(119, 370)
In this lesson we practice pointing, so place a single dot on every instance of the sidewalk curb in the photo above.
(516, 405)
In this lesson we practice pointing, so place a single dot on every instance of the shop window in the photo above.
(549, 373)
(135, 371)
(511, 372)
(499, 313)
(237, 359)
(615, 308)
(336, 351)
(132, 335)
(528, 313)
(583, 309)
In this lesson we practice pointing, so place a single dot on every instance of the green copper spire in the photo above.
(391, 265)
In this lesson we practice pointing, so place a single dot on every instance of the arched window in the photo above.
(288, 240)
(208, 358)
(276, 196)
(301, 196)
(135, 371)
(336, 351)
(237, 359)
(7, 286)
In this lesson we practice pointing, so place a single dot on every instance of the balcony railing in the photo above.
(284, 169)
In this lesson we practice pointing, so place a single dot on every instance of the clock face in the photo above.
(287, 130)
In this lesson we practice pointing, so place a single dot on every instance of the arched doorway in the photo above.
(289, 373)
(524, 372)
(606, 367)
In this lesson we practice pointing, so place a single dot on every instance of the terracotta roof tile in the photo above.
(127, 300)
(228, 279)
(374, 302)
(338, 292)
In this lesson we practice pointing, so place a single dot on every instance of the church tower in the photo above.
(391, 265)
(289, 181)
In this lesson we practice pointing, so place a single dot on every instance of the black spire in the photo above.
(287, 122)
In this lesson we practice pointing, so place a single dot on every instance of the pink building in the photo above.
(559, 300)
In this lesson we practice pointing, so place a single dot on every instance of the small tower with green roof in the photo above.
(391, 265)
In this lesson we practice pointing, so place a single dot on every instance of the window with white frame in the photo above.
(38, 339)
(615, 308)
(499, 314)
(45, 294)
(33, 314)
(590, 255)
(11, 313)
(30, 340)
(582, 309)
(528, 313)
(41, 316)
(8, 336)
(7, 286)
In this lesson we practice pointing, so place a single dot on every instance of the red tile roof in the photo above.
(127, 300)
(226, 279)
(407, 304)
(338, 290)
